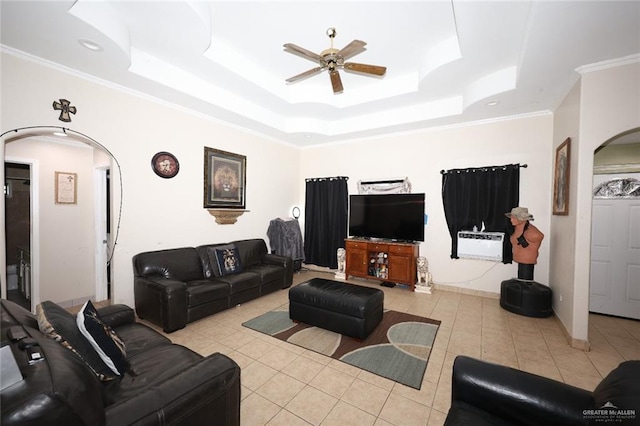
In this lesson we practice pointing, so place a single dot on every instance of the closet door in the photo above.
(615, 257)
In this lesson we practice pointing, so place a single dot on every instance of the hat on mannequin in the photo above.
(520, 213)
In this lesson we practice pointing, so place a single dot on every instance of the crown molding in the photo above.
(612, 63)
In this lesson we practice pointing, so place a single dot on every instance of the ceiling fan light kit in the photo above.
(332, 60)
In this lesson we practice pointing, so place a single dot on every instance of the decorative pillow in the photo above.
(60, 325)
(228, 260)
(104, 340)
(213, 259)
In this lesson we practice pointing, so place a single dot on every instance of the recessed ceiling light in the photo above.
(91, 45)
(492, 103)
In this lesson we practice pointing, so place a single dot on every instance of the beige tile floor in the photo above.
(283, 384)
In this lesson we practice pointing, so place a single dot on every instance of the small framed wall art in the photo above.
(165, 164)
(561, 179)
(224, 179)
(66, 188)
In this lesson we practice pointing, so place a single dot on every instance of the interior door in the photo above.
(18, 231)
(615, 257)
(101, 191)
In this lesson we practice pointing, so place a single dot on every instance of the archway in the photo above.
(614, 221)
(66, 236)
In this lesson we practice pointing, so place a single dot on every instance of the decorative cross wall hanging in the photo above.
(64, 106)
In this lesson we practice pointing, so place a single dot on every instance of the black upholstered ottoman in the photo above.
(347, 309)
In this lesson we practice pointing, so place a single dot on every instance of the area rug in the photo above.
(397, 349)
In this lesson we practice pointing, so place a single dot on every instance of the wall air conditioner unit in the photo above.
(480, 245)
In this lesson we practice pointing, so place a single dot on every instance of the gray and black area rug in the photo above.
(397, 349)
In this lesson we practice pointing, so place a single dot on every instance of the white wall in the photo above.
(421, 156)
(156, 213)
(610, 105)
(563, 228)
(67, 241)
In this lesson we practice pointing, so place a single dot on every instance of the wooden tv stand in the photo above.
(383, 260)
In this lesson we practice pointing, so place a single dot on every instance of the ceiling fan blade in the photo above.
(364, 68)
(301, 51)
(336, 81)
(352, 49)
(304, 75)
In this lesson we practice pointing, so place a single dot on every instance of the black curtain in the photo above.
(325, 228)
(477, 195)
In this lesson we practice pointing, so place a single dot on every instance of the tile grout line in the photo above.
(614, 347)
(555, 363)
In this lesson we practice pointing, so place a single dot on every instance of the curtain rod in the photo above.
(483, 169)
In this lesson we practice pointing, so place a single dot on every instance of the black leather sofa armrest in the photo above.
(208, 392)
(284, 261)
(276, 259)
(517, 396)
(162, 301)
(117, 315)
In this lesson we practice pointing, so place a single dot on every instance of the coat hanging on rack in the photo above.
(285, 239)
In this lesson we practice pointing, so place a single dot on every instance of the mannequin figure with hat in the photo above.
(525, 241)
(523, 295)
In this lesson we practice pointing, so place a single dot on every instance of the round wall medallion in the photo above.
(165, 165)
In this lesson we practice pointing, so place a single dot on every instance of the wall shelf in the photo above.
(226, 216)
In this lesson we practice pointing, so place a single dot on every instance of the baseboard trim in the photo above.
(583, 345)
(455, 289)
(316, 268)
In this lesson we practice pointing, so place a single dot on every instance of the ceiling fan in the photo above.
(332, 60)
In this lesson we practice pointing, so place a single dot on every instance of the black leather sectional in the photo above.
(177, 286)
(164, 384)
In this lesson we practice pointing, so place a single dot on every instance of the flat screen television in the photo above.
(397, 217)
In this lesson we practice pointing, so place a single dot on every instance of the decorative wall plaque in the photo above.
(165, 165)
(65, 108)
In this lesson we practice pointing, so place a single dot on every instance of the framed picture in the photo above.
(224, 179)
(66, 188)
(165, 165)
(561, 179)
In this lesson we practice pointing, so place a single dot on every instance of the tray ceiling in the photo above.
(446, 60)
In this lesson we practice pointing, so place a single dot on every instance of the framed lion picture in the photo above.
(225, 176)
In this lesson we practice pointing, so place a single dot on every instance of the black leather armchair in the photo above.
(489, 394)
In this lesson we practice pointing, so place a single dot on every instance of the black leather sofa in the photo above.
(165, 384)
(177, 286)
(489, 394)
